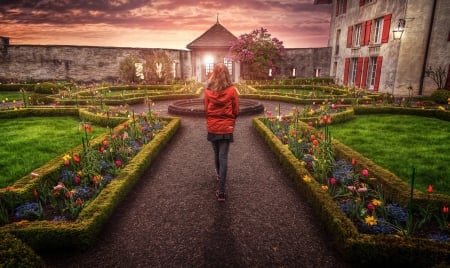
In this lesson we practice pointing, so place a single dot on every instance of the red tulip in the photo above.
(77, 180)
(95, 179)
(78, 202)
(365, 172)
(68, 194)
(430, 189)
(353, 161)
(67, 162)
(445, 210)
(35, 193)
(105, 143)
(333, 181)
(313, 137)
(315, 142)
(370, 206)
(76, 159)
(118, 163)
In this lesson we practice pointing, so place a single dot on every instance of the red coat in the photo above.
(222, 109)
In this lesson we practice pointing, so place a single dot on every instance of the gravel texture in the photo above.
(171, 218)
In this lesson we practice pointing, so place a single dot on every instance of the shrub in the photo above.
(14, 253)
(46, 88)
(441, 96)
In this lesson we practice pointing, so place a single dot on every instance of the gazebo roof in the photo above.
(217, 37)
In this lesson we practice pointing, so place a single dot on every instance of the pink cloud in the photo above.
(162, 24)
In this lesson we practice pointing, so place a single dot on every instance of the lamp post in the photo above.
(398, 32)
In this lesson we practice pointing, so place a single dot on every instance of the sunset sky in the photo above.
(159, 23)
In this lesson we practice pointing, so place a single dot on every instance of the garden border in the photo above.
(360, 249)
(46, 235)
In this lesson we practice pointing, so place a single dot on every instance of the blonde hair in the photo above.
(220, 78)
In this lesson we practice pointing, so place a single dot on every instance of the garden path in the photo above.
(171, 217)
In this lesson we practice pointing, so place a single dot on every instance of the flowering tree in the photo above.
(260, 54)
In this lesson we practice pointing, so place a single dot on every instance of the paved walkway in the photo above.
(172, 219)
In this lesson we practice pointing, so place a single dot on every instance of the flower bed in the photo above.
(362, 246)
(81, 189)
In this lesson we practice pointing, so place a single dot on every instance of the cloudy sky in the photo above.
(159, 23)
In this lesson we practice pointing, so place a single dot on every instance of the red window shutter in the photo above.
(367, 32)
(346, 67)
(344, 10)
(386, 28)
(349, 36)
(378, 73)
(364, 72)
(361, 3)
(359, 66)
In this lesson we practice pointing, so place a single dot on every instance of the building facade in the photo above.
(367, 53)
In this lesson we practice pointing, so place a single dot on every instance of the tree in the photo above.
(128, 69)
(258, 53)
(439, 75)
(158, 67)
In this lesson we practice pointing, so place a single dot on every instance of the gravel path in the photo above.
(171, 217)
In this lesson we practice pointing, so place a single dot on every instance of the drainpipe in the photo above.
(424, 67)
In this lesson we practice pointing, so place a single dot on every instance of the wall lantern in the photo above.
(398, 32)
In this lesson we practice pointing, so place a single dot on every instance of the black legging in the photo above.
(221, 160)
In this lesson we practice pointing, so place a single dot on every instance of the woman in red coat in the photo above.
(222, 109)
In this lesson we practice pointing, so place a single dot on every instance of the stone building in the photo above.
(367, 53)
(212, 47)
(93, 63)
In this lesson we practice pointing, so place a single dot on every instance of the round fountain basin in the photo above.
(196, 107)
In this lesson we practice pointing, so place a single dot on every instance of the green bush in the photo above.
(441, 96)
(46, 88)
(14, 253)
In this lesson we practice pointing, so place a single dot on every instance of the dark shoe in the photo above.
(220, 196)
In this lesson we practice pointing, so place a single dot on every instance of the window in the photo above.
(353, 68)
(209, 67)
(374, 72)
(341, 7)
(338, 36)
(371, 72)
(381, 29)
(377, 31)
(229, 63)
(357, 35)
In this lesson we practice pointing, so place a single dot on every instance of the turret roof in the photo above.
(217, 36)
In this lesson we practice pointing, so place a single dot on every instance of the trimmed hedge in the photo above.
(16, 87)
(45, 235)
(357, 248)
(296, 100)
(14, 253)
(441, 114)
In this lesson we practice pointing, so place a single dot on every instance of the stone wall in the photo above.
(306, 61)
(90, 63)
(78, 63)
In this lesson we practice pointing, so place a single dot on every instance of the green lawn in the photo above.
(401, 142)
(10, 96)
(28, 143)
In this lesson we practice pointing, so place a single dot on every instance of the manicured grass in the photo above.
(10, 96)
(400, 143)
(28, 143)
